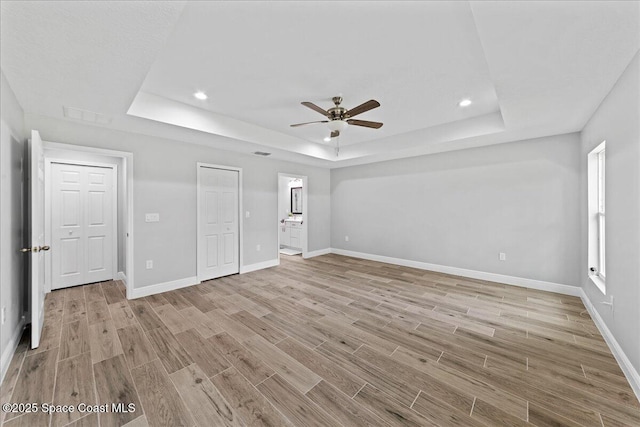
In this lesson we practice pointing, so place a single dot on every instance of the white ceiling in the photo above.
(531, 68)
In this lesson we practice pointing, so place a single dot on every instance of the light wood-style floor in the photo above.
(323, 342)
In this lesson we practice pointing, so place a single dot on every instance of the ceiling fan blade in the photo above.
(369, 105)
(365, 123)
(335, 133)
(314, 107)
(308, 123)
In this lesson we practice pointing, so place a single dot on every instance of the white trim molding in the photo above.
(473, 274)
(190, 281)
(625, 364)
(259, 266)
(10, 349)
(163, 287)
(127, 164)
(305, 204)
(48, 200)
(319, 252)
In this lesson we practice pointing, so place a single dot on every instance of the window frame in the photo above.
(602, 265)
(596, 176)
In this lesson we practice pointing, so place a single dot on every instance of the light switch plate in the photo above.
(152, 217)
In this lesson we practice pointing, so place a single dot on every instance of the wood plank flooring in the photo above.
(329, 341)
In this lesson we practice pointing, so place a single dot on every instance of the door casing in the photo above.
(47, 214)
(127, 163)
(305, 200)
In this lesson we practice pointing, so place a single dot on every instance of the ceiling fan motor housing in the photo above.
(337, 113)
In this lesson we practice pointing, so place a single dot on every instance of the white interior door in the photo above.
(37, 249)
(218, 239)
(82, 224)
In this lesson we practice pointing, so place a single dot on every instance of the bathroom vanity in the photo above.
(291, 233)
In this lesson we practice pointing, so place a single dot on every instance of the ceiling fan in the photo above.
(339, 117)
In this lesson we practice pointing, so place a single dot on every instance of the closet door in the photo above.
(82, 224)
(218, 235)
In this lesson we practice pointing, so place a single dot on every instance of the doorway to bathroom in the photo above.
(292, 215)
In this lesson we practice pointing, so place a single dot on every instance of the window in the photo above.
(597, 219)
(600, 214)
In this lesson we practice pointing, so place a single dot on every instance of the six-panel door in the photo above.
(218, 252)
(82, 224)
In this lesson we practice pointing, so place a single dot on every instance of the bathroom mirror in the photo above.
(296, 200)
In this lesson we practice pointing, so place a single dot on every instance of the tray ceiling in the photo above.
(530, 68)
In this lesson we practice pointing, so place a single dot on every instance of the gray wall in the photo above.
(164, 174)
(617, 122)
(461, 208)
(12, 149)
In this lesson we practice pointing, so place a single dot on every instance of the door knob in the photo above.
(35, 249)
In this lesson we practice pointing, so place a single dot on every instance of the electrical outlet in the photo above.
(149, 264)
(258, 248)
(4, 314)
(346, 238)
(503, 256)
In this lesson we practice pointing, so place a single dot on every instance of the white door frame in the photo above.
(305, 199)
(198, 201)
(48, 268)
(127, 162)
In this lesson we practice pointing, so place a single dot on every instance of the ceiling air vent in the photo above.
(86, 115)
(261, 153)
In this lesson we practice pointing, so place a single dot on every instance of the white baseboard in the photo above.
(163, 287)
(625, 364)
(190, 281)
(122, 276)
(10, 349)
(319, 252)
(259, 266)
(474, 274)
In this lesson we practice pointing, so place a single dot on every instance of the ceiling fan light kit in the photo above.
(337, 125)
(339, 117)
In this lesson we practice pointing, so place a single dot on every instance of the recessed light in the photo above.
(200, 95)
(327, 139)
(464, 103)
